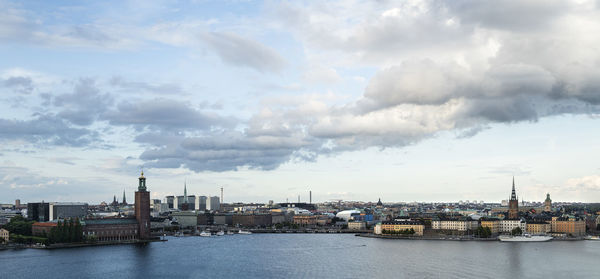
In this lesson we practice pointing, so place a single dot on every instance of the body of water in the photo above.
(308, 256)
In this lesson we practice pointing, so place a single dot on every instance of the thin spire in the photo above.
(513, 195)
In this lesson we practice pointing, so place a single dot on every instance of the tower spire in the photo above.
(513, 195)
(142, 182)
(124, 200)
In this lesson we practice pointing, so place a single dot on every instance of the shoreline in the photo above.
(79, 245)
(440, 238)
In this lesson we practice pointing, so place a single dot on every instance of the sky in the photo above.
(353, 100)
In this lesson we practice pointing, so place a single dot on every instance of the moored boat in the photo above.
(244, 232)
(204, 233)
(220, 233)
(524, 238)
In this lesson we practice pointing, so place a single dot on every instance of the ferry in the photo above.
(204, 233)
(244, 232)
(525, 238)
(592, 237)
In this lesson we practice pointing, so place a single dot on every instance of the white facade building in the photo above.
(454, 225)
(506, 226)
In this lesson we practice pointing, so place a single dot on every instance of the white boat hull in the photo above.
(534, 238)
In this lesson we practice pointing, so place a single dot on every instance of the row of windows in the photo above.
(123, 232)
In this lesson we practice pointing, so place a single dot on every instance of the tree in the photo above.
(19, 225)
(487, 232)
(516, 231)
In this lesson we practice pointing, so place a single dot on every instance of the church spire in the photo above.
(513, 195)
(124, 200)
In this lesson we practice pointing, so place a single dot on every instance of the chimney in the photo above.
(310, 197)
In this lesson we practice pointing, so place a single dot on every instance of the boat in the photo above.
(204, 233)
(592, 237)
(229, 233)
(220, 233)
(524, 238)
(244, 232)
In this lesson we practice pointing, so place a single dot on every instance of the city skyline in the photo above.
(413, 101)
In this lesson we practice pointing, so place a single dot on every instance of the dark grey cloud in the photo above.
(165, 114)
(227, 151)
(45, 129)
(20, 84)
(236, 50)
(84, 105)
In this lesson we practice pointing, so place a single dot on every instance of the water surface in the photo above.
(308, 256)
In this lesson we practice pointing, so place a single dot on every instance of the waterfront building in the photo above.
(4, 235)
(206, 219)
(400, 226)
(112, 229)
(64, 210)
(507, 225)
(305, 220)
(142, 208)
(213, 204)
(39, 211)
(569, 225)
(186, 219)
(513, 203)
(538, 227)
(492, 223)
(548, 203)
(460, 224)
(357, 226)
(280, 218)
(322, 220)
(224, 219)
(252, 220)
(42, 228)
(377, 229)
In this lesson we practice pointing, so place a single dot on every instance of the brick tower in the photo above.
(142, 208)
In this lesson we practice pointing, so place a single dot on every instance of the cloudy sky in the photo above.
(354, 100)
